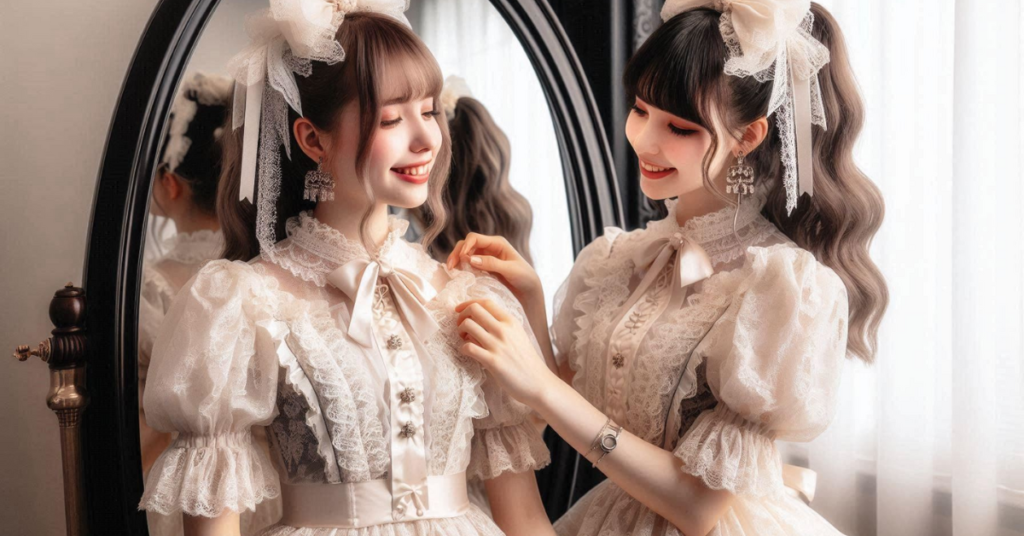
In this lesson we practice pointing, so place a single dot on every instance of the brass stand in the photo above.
(65, 353)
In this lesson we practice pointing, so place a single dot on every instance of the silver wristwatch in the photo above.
(607, 439)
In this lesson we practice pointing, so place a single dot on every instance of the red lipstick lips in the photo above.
(414, 174)
(654, 172)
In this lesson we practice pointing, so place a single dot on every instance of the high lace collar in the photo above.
(198, 246)
(714, 230)
(314, 249)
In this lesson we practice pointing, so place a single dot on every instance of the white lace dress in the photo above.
(374, 417)
(714, 371)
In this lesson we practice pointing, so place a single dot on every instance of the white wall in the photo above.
(63, 63)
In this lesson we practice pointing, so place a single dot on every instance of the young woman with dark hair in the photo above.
(692, 345)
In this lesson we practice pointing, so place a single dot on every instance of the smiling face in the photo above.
(671, 151)
(372, 120)
(400, 157)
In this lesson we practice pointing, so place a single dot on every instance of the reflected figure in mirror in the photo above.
(322, 323)
(479, 193)
(184, 197)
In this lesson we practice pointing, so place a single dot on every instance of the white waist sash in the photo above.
(364, 504)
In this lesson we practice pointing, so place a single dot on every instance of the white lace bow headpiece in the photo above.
(771, 40)
(286, 38)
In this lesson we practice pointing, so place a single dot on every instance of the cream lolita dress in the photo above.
(712, 347)
(375, 420)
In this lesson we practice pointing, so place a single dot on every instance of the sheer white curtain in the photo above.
(930, 439)
(470, 39)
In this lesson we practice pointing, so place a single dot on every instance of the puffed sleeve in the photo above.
(569, 310)
(155, 298)
(773, 361)
(506, 439)
(213, 375)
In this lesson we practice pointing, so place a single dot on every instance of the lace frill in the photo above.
(730, 453)
(314, 249)
(204, 476)
(510, 448)
(198, 246)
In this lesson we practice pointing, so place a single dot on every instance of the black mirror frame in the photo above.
(113, 266)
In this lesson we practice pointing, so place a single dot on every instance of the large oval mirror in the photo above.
(511, 73)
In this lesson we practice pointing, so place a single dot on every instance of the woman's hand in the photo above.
(495, 255)
(501, 345)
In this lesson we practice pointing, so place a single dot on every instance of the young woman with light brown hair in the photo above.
(328, 327)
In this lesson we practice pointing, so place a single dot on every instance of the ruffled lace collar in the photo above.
(714, 230)
(198, 246)
(314, 249)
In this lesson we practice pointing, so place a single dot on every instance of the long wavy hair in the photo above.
(680, 69)
(478, 185)
(375, 45)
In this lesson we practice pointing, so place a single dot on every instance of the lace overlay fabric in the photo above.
(747, 355)
(161, 280)
(266, 344)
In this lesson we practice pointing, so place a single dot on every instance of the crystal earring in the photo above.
(319, 184)
(739, 181)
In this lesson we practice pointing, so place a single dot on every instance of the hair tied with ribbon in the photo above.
(771, 40)
(285, 39)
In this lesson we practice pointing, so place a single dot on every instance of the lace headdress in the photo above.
(286, 38)
(771, 40)
(196, 117)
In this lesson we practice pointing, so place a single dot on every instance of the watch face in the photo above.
(608, 443)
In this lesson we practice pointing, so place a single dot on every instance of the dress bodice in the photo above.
(713, 369)
(395, 414)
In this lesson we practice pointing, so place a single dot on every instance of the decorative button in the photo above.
(401, 508)
(618, 360)
(394, 342)
(408, 395)
(408, 430)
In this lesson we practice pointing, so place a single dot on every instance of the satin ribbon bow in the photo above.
(799, 482)
(692, 263)
(358, 280)
(416, 492)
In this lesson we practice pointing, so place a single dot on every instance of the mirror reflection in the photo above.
(505, 179)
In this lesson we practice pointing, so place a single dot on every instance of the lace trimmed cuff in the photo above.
(514, 448)
(205, 475)
(729, 452)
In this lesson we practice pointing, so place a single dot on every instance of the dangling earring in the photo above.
(319, 184)
(739, 181)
